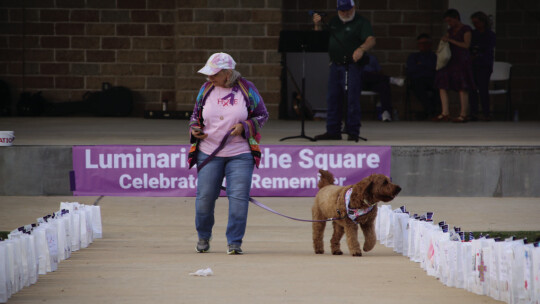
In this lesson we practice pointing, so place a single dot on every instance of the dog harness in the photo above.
(354, 214)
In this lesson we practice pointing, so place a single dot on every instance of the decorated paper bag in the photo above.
(66, 220)
(482, 257)
(96, 222)
(52, 243)
(468, 264)
(536, 275)
(517, 262)
(384, 213)
(452, 263)
(526, 288)
(13, 270)
(413, 227)
(89, 230)
(21, 263)
(390, 230)
(42, 249)
(82, 229)
(32, 260)
(75, 231)
(459, 275)
(399, 229)
(505, 270)
(494, 265)
(4, 296)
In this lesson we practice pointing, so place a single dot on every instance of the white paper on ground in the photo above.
(202, 272)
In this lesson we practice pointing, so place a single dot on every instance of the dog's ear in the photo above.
(363, 191)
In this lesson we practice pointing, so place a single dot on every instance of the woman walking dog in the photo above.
(226, 103)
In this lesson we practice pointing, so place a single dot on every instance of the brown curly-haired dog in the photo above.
(331, 198)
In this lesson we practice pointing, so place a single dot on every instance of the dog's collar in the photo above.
(354, 214)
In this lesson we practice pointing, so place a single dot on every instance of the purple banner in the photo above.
(163, 170)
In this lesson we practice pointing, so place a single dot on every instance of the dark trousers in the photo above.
(424, 90)
(335, 99)
(481, 78)
(380, 84)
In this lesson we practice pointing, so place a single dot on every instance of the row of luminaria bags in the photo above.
(36, 249)
(506, 270)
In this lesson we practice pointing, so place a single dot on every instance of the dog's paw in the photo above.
(337, 252)
(357, 254)
(319, 251)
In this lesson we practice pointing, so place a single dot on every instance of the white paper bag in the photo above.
(494, 281)
(4, 296)
(75, 231)
(42, 249)
(32, 260)
(82, 229)
(526, 288)
(536, 275)
(96, 222)
(52, 243)
(12, 269)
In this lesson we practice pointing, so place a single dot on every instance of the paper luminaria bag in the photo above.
(507, 271)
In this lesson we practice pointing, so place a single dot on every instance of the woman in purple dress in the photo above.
(482, 46)
(457, 74)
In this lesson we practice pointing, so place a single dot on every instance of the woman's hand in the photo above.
(445, 38)
(238, 129)
(198, 134)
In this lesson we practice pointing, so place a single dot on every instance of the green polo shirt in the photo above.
(351, 34)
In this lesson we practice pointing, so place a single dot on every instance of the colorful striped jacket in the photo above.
(257, 117)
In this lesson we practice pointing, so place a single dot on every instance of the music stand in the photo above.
(302, 41)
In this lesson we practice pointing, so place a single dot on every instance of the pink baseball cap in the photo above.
(218, 62)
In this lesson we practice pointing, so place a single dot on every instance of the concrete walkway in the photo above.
(147, 253)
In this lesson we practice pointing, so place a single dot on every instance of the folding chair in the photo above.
(502, 73)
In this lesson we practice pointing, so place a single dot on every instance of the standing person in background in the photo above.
(226, 102)
(351, 36)
(482, 50)
(457, 74)
(421, 74)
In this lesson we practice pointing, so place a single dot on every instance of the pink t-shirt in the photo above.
(222, 110)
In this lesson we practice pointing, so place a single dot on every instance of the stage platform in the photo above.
(428, 159)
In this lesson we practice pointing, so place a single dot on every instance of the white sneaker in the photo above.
(397, 81)
(386, 116)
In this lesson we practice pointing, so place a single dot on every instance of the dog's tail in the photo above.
(327, 178)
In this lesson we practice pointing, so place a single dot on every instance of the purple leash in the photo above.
(251, 199)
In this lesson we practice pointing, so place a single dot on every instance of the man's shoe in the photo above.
(397, 81)
(355, 138)
(234, 249)
(328, 136)
(203, 245)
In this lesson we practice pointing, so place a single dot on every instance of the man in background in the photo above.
(421, 74)
(351, 36)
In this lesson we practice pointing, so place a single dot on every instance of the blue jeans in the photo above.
(334, 99)
(238, 170)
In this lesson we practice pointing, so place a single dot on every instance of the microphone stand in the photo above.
(302, 101)
(346, 86)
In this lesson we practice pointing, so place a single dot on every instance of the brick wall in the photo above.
(518, 42)
(153, 47)
(246, 29)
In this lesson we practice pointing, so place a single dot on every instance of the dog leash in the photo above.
(251, 199)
